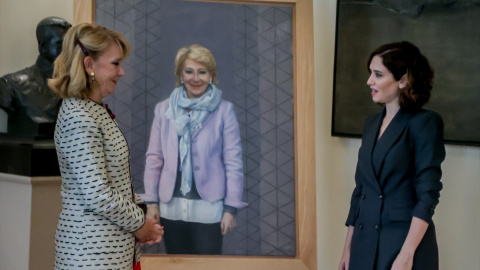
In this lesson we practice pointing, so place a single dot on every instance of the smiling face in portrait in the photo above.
(385, 89)
(196, 78)
(108, 69)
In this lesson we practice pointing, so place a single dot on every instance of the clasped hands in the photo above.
(151, 232)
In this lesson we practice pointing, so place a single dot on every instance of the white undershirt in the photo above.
(192, 210)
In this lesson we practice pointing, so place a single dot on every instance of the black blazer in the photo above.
(397, 177)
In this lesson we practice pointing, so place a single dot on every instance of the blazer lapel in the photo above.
(370, 136)
(195, 133)
(172, 134)
(388, 138)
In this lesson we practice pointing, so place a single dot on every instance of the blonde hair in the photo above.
(69, 76)
(197, 53)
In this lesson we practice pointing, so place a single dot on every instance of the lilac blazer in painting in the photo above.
(216, 157)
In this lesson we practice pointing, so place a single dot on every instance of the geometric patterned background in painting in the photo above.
(252, 45)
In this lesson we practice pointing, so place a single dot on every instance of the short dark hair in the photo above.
(49, 22)
(404, 58)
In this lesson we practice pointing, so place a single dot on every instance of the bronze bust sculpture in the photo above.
(30, 104)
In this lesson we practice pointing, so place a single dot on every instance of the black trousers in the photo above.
(191, 237)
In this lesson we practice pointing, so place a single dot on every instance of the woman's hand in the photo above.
(228, 223)
(150, 233)
(345, 260)
(343, 265)
(403, 261)
(153, 212)
(158, 239)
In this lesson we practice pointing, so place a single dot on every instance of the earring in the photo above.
(210, 81)
(181, 80)
(93, 76)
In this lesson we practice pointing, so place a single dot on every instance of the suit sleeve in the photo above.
(154, 159)
(138, 200)
(429, 154)
(354, 204)
(232, 155)
(85, 155)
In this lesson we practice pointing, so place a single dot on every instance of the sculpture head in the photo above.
(50, 32)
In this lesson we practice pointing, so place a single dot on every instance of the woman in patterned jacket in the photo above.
(102, 221)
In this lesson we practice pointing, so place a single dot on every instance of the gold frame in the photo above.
(304, 144)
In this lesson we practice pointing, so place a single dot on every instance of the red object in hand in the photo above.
(136, 266)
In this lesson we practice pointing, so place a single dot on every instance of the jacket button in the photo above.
(380, 197)
(377, 227)
(361, 226)
(363, 196)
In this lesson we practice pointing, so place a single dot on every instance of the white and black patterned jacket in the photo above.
(98, 216)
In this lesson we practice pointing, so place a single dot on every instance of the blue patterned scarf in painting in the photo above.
(188, 122)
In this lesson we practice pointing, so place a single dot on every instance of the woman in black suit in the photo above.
(398, 172)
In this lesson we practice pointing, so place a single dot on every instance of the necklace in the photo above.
(112, 115)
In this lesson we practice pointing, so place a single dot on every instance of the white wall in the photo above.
(18, 49)
(18, 44)
(457, 217)
(15, 210)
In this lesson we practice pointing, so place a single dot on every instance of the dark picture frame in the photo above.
(448, 35)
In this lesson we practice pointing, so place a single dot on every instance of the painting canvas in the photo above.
(447, 33)
(252, 45)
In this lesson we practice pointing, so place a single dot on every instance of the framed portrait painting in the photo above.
(258, 46)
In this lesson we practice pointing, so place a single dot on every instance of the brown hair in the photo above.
(69, 76)
(404, 58)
